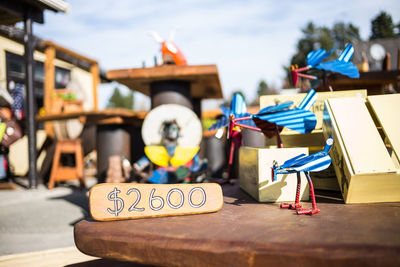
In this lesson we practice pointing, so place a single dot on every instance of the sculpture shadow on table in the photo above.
(241, 197)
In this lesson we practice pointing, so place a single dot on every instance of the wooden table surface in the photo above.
(247, 233)
(105, 116)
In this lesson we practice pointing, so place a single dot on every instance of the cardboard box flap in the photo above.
(364, 147)
(387, 110)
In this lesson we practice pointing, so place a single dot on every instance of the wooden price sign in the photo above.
(120, 201)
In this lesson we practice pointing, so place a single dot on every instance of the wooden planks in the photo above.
(247, 233)
(204, 79)
(118, 201)
(95, 71)
(387, 112)
(49, 78)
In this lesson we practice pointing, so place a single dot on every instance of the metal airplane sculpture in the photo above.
(237, 109)
(341, 65)
(302, 163)
(270, 121)
(171, 54)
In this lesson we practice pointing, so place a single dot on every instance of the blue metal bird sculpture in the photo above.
(341, 65)
(272, 119)
(302, 163)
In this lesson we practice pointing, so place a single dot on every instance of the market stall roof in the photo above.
(12, 11)
(204, 79)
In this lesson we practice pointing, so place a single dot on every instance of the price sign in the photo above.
(118, 201)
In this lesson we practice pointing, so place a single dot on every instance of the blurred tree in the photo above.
(264, 89)
(118, 100)
(345, 33)
(382, 26)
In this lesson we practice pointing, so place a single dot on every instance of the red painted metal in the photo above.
(248, 127)
(244, 118)
(296, 204)
(311, 77)
(302, 69)
(314, 209)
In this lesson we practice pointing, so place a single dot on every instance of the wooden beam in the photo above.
(67, 51)
(398, 59)
(49, 76)
(94, 70)
(386, 62)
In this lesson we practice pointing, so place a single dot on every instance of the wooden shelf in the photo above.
(107, 116)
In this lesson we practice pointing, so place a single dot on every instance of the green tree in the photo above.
(313, 38)
(118, 100)
(264, 89)
(345, 33)
(382, 26)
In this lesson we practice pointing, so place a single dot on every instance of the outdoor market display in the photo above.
(269, 120)
(315, 140)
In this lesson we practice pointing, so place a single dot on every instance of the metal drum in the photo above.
(171, 92)
(111, 140)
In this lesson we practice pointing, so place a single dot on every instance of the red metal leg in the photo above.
(230, 163)
(314, 209)
(297, 204)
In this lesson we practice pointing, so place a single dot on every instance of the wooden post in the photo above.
(398, 59)
(49, 74)
(94, 70)
(386, 62)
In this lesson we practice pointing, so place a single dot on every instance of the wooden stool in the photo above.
(61, 173)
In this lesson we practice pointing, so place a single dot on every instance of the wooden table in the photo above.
(99, 117)
(246, 233)
(204, 79)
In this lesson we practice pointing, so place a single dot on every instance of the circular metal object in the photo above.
(190, 130)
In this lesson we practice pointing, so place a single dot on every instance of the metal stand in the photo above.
(30, 100)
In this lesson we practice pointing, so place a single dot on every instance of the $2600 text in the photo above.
(119, 204)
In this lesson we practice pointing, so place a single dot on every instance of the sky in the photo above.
(249, 41)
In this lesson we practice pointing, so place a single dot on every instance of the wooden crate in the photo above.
(255, 174)
(365, 169)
